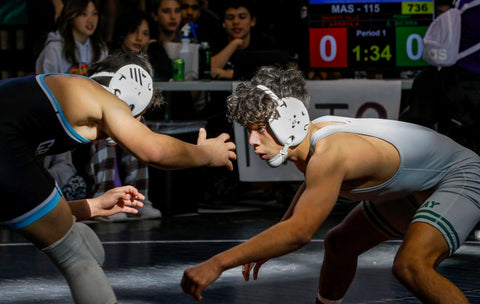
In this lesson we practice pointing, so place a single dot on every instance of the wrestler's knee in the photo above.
(92, 242)
(336, 241)
(406, 267)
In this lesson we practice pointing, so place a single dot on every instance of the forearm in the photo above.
(278, 240)
(221, 58)
(294, 202)
(174, 154)
(80, 209)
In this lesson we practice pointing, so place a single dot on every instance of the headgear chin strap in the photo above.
(132, 84)
(290, 128)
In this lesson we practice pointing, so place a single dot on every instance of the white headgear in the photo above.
(291, 127)
(132, 84)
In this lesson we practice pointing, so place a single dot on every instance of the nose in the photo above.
(254, 139)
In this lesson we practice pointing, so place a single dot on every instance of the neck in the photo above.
(165, 36)
(79, 37)
(300, 155)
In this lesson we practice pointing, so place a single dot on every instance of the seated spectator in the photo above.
(206, 26)
(132, 32)
(77, 42)
(239, 19)
(166, 15)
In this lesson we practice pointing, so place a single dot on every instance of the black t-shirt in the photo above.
(161, 63)
(261, 51)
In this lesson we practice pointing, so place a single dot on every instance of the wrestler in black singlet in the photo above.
(32, 124)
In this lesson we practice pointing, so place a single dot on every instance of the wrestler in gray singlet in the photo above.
(428, 160)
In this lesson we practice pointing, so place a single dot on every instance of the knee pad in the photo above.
(92, 242)
(79, 255)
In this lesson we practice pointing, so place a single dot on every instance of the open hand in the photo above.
(116, 200)
(255, 266)
(220, 149)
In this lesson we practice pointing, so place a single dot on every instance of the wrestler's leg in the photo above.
(51, 227)
(76, 251)
(367, 225)
(343, 244)
(423, 248)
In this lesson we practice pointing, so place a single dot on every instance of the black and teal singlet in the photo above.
(32, 124)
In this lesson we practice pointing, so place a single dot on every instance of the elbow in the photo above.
(301, 237)
(152, 157)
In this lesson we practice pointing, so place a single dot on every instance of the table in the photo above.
(222, 85)
(195, 85)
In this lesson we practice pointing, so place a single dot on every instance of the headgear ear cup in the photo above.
(291, 127)
(132, 84)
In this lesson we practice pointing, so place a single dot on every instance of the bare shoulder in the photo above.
(62, 80)
(329, 153)
(80, 99)
(71, 88)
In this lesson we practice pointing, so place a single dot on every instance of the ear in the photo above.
(253, 22)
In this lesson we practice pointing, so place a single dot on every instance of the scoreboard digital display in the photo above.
(368, 34)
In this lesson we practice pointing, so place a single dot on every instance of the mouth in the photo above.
(263, 156)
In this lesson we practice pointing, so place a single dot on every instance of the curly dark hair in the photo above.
(249, 105)
(118, 59)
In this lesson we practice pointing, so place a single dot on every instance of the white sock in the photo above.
(326, 301)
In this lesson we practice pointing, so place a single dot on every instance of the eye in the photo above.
(261, 129)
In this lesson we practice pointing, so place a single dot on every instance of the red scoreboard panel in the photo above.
(368, 34)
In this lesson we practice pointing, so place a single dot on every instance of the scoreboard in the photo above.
(367, 33)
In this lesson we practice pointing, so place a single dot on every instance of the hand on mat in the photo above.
(197, 278)
(116, 200)
(220, 149)
(255, 266)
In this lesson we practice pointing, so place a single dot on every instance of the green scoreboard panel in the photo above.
(368, 34)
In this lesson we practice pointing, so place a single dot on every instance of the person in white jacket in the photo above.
(76, 43)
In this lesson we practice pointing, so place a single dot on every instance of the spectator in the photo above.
(166, 28)
(167, 19)
(132, 32)
(76, 43)
(206, 26)
(239, 19)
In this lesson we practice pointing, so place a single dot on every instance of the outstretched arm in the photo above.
(314, 205)
(101, 114)
(163, 151)
(116, 200)
(294, 202)
(257, 264)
